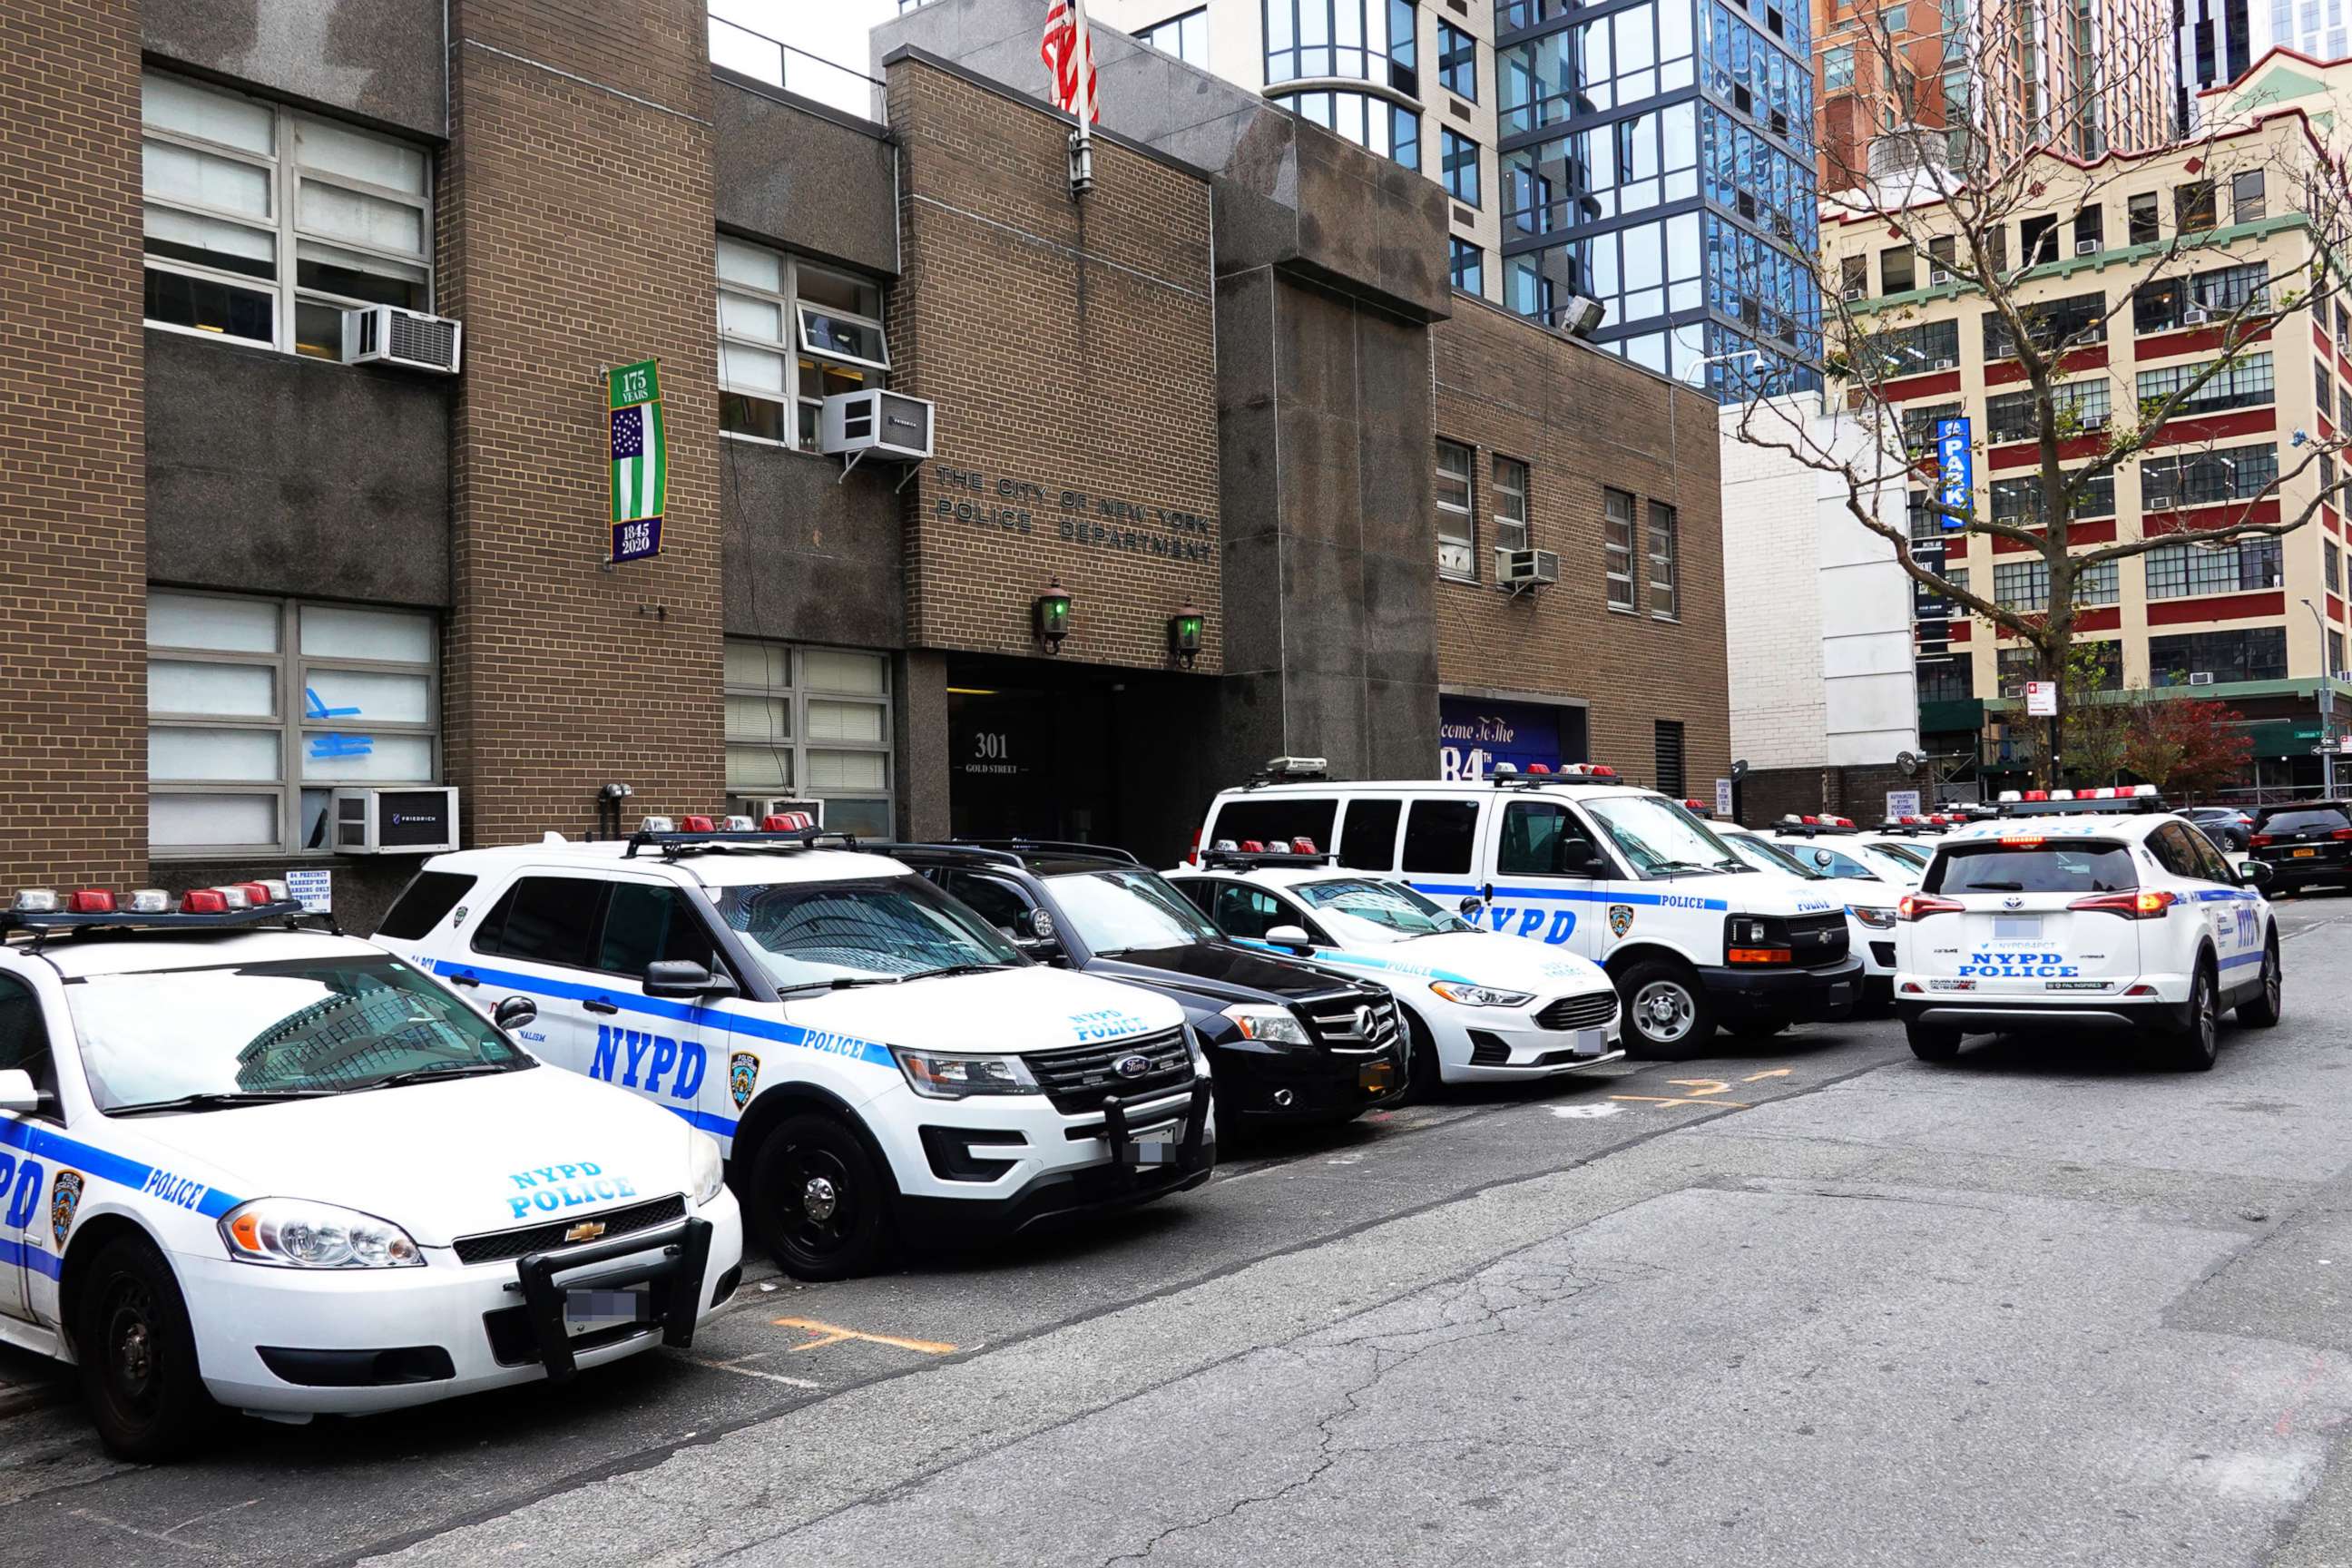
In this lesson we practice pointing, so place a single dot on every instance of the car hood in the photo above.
(1471, 958)
(1751, 893)
(1035, 1007)
(1850, 890)
(1223, 971)
(439, 1160)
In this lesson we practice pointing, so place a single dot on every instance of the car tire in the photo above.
(1667, 1011)
(136, 1355)
(1932, 1042)
(1424, 1074)
(2196, 1046)
(818, 1203)
(2261, 1010)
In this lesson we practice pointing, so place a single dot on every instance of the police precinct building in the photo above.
(313, 311)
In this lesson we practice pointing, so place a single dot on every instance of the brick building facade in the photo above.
(1217, 381)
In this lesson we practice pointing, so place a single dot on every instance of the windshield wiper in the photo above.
(957, 969)
(1685, 866)
(842, 983)
(453, 1070)
(219, 1099)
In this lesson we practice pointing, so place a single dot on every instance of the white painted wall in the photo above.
(1816, 610)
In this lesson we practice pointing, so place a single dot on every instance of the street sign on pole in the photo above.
(2041, 699)
(1723, 797)
(1902, 803)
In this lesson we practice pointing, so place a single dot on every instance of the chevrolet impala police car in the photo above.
(1479, 1008)
(875, 1057)
(251, 1165)
(2128, 922)
(1581, 863)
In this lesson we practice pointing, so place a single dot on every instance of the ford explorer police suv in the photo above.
(876, 1058)
(2108, 921)
(1583, 864)
(251, 1164)
(1478, 1007)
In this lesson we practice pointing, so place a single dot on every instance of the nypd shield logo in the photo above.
(63, 1199)
(1621, 919)
(742, 1078)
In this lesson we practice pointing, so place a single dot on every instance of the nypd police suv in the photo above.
(253, 1165)
(875, 1056)
(1586, 864)
(2099, 921)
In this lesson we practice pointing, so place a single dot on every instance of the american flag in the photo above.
(1069, 52)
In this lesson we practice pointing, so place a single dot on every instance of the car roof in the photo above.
(719, 867)
(1565, 789)
(1283, 876)
(134, 952)
(2133, 827)
(2272, 810)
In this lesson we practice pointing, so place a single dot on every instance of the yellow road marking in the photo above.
(834, 1334)
(1682, 1099)
(1701, 1085)
(1759, 1077)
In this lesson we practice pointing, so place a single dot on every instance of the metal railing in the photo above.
(754, 54)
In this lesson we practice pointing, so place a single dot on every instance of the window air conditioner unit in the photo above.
(2086, 248)
(1517, 569)
(422, 820)
(2200, 678)
(1852, 294)
(1937, 275)
(885, 424)
(2194, 316)
(758, 807)
(387, 334)
(2094, 421)
(1944, 365)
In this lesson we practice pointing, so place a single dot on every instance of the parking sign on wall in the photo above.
(1952, 461)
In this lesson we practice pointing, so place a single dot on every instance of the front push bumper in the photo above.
(1785, 992)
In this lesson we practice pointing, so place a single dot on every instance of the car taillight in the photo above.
(1919, 906)
(2342, 836)
(2145, 905)
(2260, 841)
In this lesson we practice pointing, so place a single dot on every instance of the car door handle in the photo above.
(465, 979)
(599, 1007)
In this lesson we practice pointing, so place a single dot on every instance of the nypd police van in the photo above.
(876, 1058)
(250, 1165)
(1691, 935)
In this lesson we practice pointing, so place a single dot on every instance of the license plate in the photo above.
(2017, 928)
(1158, 1145)
(2305, 854)
(592, 1311)
(1376, 1077)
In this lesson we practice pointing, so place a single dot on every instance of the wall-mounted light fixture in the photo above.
(1051, 613)
(1184, 635)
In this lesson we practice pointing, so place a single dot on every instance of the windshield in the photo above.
(1910, 855)
(2305, 819)
(1112, 912)
(1367, 910)
(295, 1027)
(896, 928)
(1766, 857)
(2076, 868)
(1660, 837)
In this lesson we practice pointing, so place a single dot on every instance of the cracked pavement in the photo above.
(2042, 1306)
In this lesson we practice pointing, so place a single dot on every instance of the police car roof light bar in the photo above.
(1246, 858)
(675, 843)
(94, 910)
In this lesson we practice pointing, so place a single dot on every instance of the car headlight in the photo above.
(291, 1233)
(706, 1168)
(1269, 1025)
(948, 1075)
(1480, 995)
(1745, 931)
(1877, 920)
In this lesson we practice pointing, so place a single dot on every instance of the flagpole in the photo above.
(1082, 145)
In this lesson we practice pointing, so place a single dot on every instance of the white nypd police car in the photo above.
(1480, 1008)
(2057, 920)
(273, 1169)
(875, 1057)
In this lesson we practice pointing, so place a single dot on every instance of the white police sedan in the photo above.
(264, 1167)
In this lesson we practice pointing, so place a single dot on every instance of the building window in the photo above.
(2207, 478)
(2194, 210)
(2015, 417)
(2335, 567)
(2072, 321)
(791, 334)
(2091, 228)
(1457, 543)
(811, 723)
(1467, 263)
(2257, 653)
(1897, 271)
(2164, 303)
(1364, 40)
(1185, 36)
(235, 187)
(1665, 546)
(2139, 216)
(1920, 422)
(1372, 123)
(1946, 679)
(1837, 67)
(1510, 503)
(2248, 203)
(256, 709)
(2336, 653)
(1458, 160)
(2244, 383)
(1457, 61)
(2021, 584)
(1617, 547)
(2096, 583)
(1668, 748)
(2014, 666)
(2186, 571)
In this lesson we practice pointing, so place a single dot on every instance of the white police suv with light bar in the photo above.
(877, 1059)
(250, 1162)
(1585, 863)
(2053, 920)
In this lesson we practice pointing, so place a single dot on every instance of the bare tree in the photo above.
(1992, 230)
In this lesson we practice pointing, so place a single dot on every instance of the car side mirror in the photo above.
(1471, 906)
(1289, 936)
(18, 1093)
(2254, 874)
(514, 1013)
(684, 979)
(1822, 858)
(1577, 857)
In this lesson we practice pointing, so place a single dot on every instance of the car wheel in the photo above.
(818, 1203)
(2262, 1010)
(137, 1355)
(1932, 1042)
(1424, 1074)
(1667, 1009)
(2196, 1046)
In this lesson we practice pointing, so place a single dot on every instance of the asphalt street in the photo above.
(1810, 1303)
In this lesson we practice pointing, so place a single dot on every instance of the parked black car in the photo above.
(2224, 825)
(1287, 1041)
(2305, 842)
